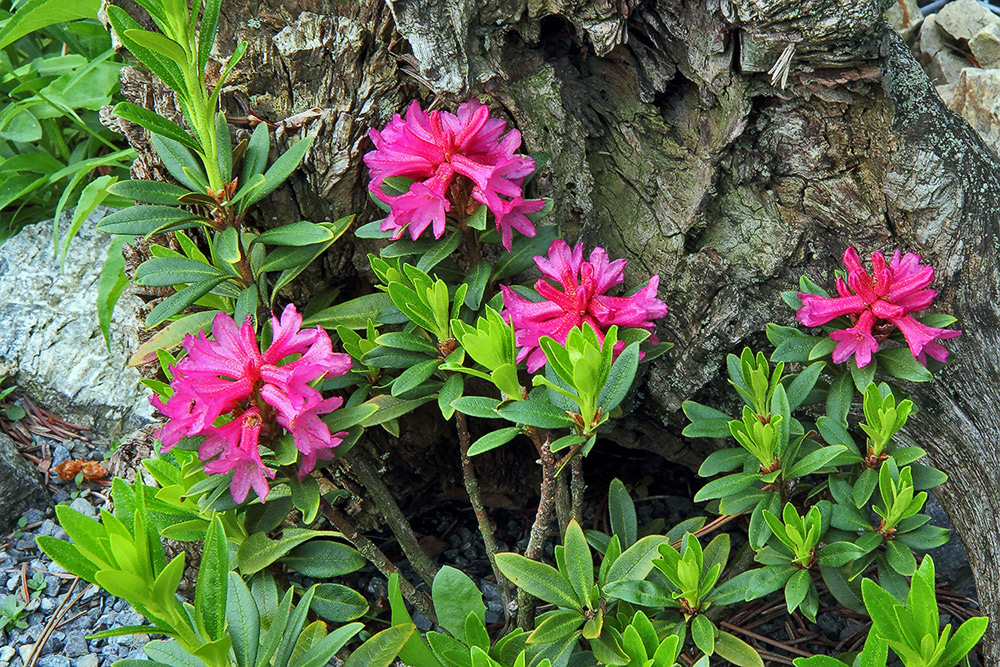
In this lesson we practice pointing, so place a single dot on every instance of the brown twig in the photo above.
(376, 557)
(766, 640)
(398, 523)
(577, 487)
(53, 621)
(486, 528)
(540, 527)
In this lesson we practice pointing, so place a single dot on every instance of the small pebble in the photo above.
(75, 645)
(53, 660)
(33, 515)
(6, 653)
(89, 660)
(59, 455)
(83, 506)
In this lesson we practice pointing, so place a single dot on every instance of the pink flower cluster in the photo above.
(582, 299)
(876, 303)
(231, 375)
(434, 148)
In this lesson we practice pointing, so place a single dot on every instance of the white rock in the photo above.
(985, 46)
(905, 16)
(977, 99)
(962, 19)
(51, 335)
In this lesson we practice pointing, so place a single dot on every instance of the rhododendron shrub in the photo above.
(875, 305)
(233, 394)
(453, 161)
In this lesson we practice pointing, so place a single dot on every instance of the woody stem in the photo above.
(577, 487)
(397, 521)
(486, 528)
(376, 557)
(540, 528)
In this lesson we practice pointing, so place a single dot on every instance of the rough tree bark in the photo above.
(670, 147)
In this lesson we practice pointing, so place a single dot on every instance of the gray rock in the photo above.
(20, 485)
(951, 564)
(962, 19)
(946, 67)
(905, 16)
(53, 660)
(25, 650)
(6, 654)
(89, 660)
(33, 515)
(985, 46)
(75, 645)
(52, 339)
(59, 455)
(977, 99)
(83, 506)
(51, 529)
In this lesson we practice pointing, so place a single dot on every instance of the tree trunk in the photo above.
(670, 147)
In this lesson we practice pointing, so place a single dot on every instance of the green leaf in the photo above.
(156, 124)
(579, 563)
(175, 303)
(390, 407)
(455, 597)
(796, 588)
(325, 650)
(258, 550)
(206, 32)
(68, 557)
(477, 406)
(523, 251)
(494, 439)
(803, 384)
(243, 621)
(143, 220)
(414, 376)
(703, 634)
(149, 192)
(110, 286)
(442, 249)
(451, 390)
(381, 649)
(167, 271)
(737, 651)
(337, 603)
(839, 397)
(324, 559)
(964, 640)
(172, 335)
(900, 363)
(901, 558)
(624, 522)
(619, 379)
(637, 561)
(300, 233)
(212, 583)
(293, 627)
(556, 625)
(179, 162)
(353, 314)
(159, 43)
(814, 461)
(538, 579)
(34, 15)
(278, 172)
(535, 413)
(726, 486)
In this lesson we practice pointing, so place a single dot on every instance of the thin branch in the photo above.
(486, 528)
(540, 528)
(577, 487)
(376, 557)
(379, 494)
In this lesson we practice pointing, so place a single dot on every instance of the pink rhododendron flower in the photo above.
(582, 299)
(875, 304)
(451, 158)
(262, 390)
